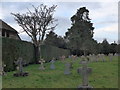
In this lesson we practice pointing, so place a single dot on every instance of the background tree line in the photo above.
(79, 37)
(39, 25)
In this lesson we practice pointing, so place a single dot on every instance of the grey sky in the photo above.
(104, 16)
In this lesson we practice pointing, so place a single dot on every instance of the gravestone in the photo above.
(110, 56)
(90, 58)
(2, 72)
(94, 58)
(19, 68)
(84, 71)
(116, 54)
(41, 64)
(67, 68)
(63, 58)
(52, 66)
(97, 58)
(103, 57)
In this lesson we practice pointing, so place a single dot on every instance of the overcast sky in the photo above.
(104, 16)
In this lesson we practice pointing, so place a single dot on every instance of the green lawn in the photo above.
(104, 75)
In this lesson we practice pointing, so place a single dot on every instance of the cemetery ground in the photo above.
(104, 75)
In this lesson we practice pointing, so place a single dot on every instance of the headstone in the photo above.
(110, 56)
(97, 58)
(52, 66)
(90, 58)
(19, 67)
(63, 58)
(19, 64)
(2, 72)
(41, 64)
(115, 54)
(67, 68)
(84, 71)
(103, 57)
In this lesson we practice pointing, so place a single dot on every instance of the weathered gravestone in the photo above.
(2, 72)
(19, 68)
(97, 58)
(63, 58)
(52, 66)
(110, 56)
(41, 64)
(67, 68)
(72, 60)
(103, 57)
(93, 57)
(84, 71)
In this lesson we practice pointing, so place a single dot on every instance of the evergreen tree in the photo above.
(55, 40)
(105, 47)
(80, 35)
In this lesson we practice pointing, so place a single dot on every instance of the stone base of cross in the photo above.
(85, 87)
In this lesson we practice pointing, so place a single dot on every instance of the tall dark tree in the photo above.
(105, 47)
(80, 35)
(113, 47)
(54, 40)
(36, 24)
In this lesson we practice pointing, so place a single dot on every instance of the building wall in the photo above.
(10, 35)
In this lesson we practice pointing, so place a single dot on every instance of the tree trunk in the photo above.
(37, 53)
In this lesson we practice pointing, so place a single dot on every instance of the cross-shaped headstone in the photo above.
(84, 71)
(19, 64)
(52, 66)
(19, 67)
(41, 64)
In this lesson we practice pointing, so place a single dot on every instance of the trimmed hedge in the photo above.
(48, 52)
(12, 49)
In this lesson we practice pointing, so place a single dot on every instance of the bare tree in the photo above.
(36, 24)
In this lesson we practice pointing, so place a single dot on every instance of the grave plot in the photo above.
(103, 75)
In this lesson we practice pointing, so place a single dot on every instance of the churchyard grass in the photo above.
(104, 75)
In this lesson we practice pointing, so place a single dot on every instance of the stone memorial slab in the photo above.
(52, 66)
(67, 68)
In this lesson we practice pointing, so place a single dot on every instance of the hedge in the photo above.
(12, 49)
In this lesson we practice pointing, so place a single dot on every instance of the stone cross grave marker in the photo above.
(52, 66)
(41, 64)
(67, 68)
(19, 64)
(19, 67)
(84, 71)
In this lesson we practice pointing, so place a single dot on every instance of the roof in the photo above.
(5, 26)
